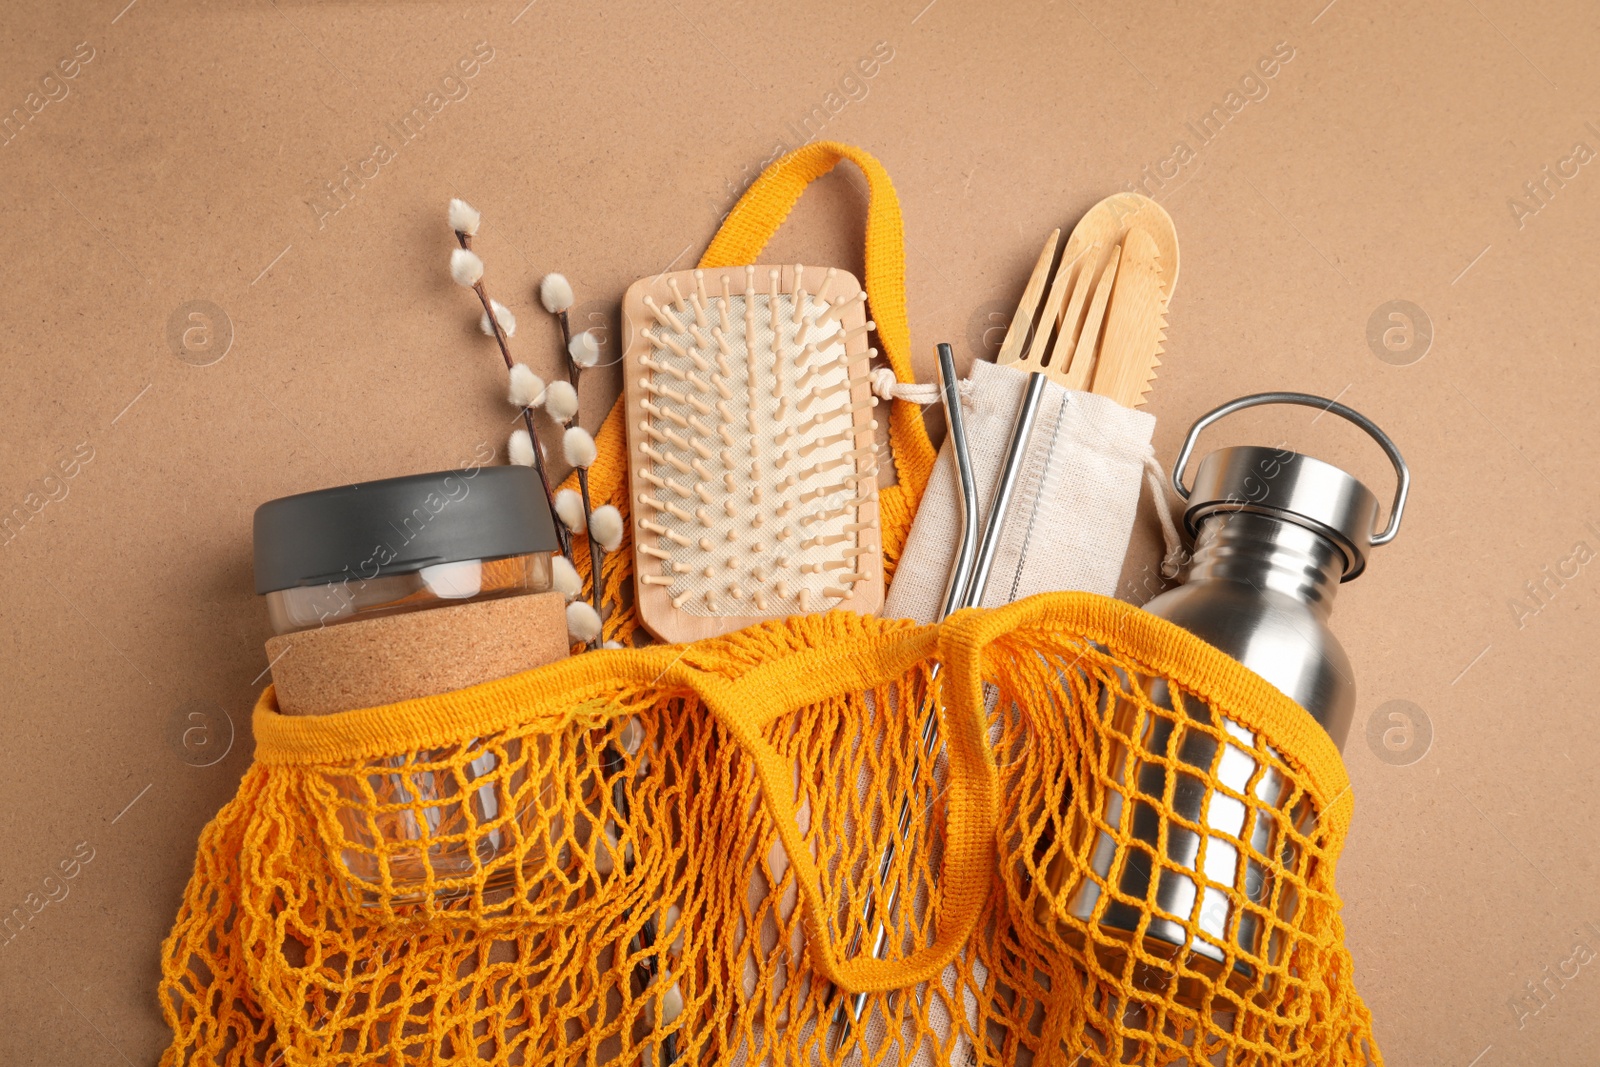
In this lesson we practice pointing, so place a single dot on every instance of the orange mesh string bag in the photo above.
(677, 854)
(671, 851)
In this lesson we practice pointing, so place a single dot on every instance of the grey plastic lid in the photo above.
(400, 525)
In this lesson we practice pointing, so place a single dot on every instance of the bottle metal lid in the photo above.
(1290, 486)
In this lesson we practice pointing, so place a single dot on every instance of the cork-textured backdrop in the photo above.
(223, 250)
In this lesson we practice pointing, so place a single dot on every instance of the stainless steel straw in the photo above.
(1021, 435)
(955, 596)
(955, 588)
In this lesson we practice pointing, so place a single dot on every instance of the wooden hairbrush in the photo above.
(752, 469)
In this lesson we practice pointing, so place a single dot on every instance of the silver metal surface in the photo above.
(1261, 589)
(1142, 783)
(1275, 534)
(955, 588)
(1402, 472)
(1291, 487)
(1005, 489)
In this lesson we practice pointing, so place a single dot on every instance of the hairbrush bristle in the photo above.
(750, 417)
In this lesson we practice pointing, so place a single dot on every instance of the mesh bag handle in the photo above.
(746, 706)
(744, 233)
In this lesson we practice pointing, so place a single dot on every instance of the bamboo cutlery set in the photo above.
(1101, 327)
(750, 417)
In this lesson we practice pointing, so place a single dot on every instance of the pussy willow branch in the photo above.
(596, 553)
(562, 535)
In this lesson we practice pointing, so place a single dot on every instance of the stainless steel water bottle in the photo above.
(1275, 534)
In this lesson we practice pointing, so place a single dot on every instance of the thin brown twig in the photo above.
(573, 370)
(594, 548)
(596, 553)
(562, 535)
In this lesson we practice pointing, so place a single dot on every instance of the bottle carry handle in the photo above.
(1402, 472)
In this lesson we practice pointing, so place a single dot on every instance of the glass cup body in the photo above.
(308, 607)
(410, 821)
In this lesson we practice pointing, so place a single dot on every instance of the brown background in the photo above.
(607, 143)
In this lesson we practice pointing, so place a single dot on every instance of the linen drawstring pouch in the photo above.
(1074, 506)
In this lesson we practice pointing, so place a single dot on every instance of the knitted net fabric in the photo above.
(679, 862)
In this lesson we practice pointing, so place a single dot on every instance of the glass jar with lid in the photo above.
(349, 556)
